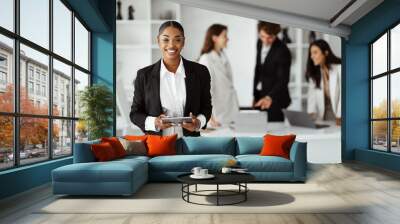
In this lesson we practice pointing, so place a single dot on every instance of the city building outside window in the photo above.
(56, 129)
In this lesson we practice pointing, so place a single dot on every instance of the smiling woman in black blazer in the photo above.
(173, 86)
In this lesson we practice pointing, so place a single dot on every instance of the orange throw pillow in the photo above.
(116, 145)
(161, 145)
(135, 137)
(277, 145)
(103, 152)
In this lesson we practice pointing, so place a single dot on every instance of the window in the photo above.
(3, 78)
(37, 89)
(35, 21)
(40, 63)
(62, 74)
(48, 80)
(30, 72)
(81, 45)
(3, 72)
(81, 81)
(6, 142)
(7, 14)
(37, 74)
(62, 137)
(44, 91)
(62, 32)
(30, 88)
(6, 73)
(33, 140)
(385, 97)
(3, 61)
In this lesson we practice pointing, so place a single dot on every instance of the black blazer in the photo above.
(273, 74)
(147, 102)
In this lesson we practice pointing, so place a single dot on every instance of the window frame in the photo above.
(16, 114)
(388, 74)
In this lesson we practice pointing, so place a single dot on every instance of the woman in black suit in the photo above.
(173, 86)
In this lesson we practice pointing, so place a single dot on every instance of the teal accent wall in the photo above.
(24, 178)
(104, 53)
(99, 16)
(356, 87)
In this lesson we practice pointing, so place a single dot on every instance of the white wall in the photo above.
(241, 50)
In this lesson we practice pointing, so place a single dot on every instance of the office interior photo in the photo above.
(212, 111)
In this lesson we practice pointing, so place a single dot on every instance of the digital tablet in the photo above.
(176, 120)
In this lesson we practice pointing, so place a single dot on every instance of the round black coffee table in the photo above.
(238, 179)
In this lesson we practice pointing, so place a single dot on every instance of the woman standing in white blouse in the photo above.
(223, 94)
(324, 93)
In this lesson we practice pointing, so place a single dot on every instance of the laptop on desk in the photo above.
(302, 119)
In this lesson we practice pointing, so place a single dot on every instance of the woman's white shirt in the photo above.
(316, 99)
(223, 94)
(173, 99)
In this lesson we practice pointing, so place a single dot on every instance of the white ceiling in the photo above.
(321, 9)
(307, 14)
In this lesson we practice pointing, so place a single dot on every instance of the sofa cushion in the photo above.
(257, 163)
(135, 137)
(161, 145)
(277, 145)
(83, 152)
(206, 145)
(103, 152)
(116, 145)
(134, 147)
(111, 171)
(185, 163)
(248, 145)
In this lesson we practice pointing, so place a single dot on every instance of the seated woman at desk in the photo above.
(324, 77)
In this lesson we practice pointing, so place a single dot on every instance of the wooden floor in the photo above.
(378, 188)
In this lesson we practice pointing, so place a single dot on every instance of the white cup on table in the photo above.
(196, 171)
(203, 172)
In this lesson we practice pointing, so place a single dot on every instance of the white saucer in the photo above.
(208, 176)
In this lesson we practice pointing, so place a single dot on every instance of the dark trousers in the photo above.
(275, 113)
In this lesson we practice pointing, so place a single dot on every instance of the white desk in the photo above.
(323, 145)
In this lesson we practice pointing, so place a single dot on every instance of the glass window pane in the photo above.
(81, 45)
(6, 74)
(62, 138)
(34, 97)
(6, 142)
(35, 21)
(62, 89)
(81, 131)
(379, 55)
(395, 136)
(33, 140)
(395, 94)
(395, 47)
(379, 97)
(379, 135)
(7, 14)
(62, 29)
(81, 81)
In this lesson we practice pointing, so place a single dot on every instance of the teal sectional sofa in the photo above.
(125, 176)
